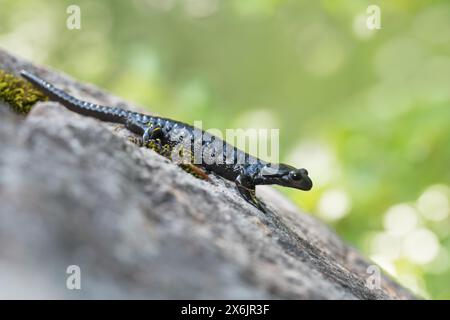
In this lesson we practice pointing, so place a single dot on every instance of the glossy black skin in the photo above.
(243, 169)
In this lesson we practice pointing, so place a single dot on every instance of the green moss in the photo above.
(18, 93)
(166, 151)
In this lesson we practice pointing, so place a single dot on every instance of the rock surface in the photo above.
(75, 191)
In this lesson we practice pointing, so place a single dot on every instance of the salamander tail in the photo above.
(85, 108)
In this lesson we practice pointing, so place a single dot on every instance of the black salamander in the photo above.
(214, 154)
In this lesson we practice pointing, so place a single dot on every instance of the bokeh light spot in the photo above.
(433, 204)
(334, 205)
(400, 219)
(421, 246)
(386, 245)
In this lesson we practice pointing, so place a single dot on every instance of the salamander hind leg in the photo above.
(152, 132)
(152, 139)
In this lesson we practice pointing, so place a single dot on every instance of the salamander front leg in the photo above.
(248, 192)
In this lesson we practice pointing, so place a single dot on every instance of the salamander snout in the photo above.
(299, 179)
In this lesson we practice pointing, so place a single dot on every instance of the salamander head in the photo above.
(285, 175)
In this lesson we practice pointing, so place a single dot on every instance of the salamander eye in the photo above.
(294, 175)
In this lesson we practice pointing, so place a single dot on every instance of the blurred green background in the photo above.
(367, 112)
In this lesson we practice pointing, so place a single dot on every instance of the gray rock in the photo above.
(75, 191)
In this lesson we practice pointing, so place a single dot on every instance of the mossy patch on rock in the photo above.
(18, 93)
